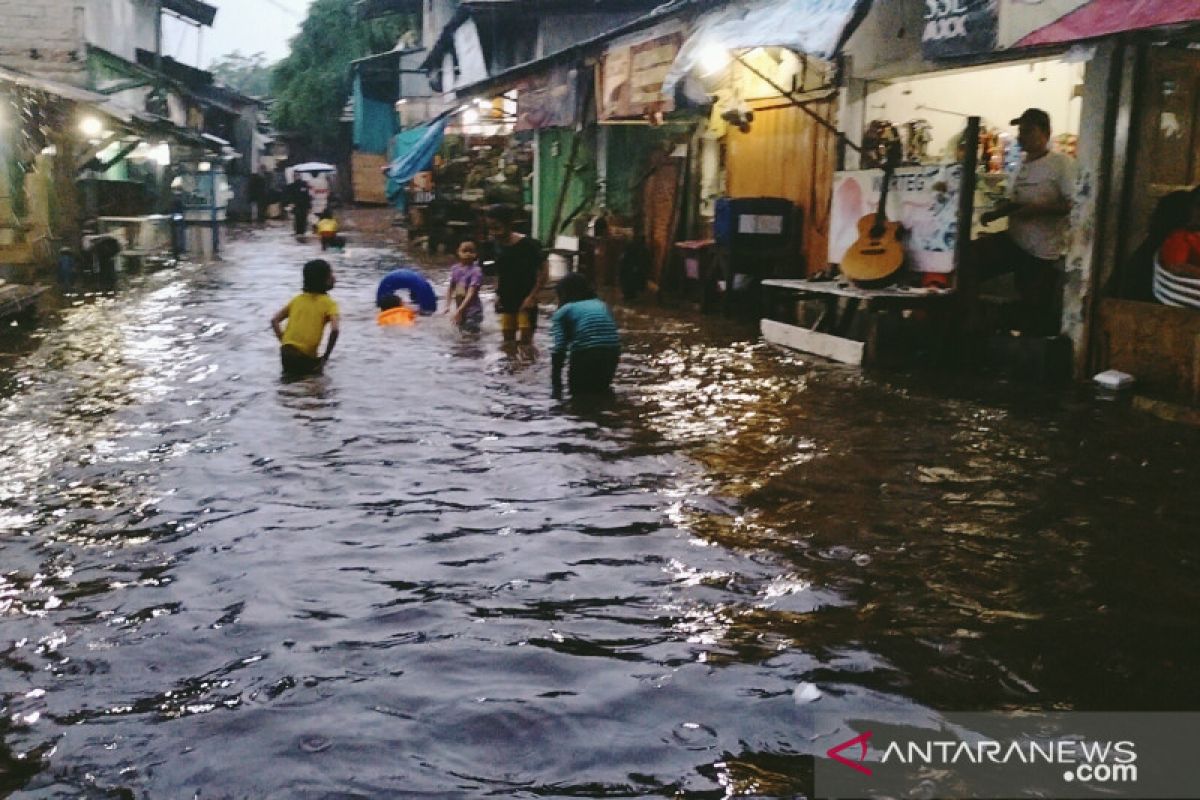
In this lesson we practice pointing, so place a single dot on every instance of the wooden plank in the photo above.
(858, 292)
(835, 348)
(1154, 343)
(15, 298)
(367, 178)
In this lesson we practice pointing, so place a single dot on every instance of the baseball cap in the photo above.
(1033, 116)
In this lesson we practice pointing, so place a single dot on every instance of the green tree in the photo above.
(311, 85)
(250, 75)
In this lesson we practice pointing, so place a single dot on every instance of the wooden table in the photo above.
(832, 334)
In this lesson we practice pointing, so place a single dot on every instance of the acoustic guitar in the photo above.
(878, 253)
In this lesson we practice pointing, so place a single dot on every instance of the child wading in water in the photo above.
(462, 297)
(307, 315)
(585, 332)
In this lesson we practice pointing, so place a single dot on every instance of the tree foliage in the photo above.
(311, 85)
(250, 75)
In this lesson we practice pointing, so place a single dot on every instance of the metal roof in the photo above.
(195, 10)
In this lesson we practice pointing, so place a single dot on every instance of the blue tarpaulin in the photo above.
(413, 152)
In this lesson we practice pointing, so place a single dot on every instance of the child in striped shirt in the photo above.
(584, 333)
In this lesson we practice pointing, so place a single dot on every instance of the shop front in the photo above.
(480, 160)
(1148, 313)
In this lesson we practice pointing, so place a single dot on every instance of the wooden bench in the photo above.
(836, 333)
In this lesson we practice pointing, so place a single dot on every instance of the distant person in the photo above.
(585, 337)
(327, 231)
(1038, 208)
(406, 280)
(462, 296)
(520, 274)
(104, 250)
(178, 223)
(256, 193)
(301, 202)
(1180, 253)
(634, 269)
(307, 315)
(66, 270)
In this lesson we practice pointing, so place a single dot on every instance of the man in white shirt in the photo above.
(1038, 208)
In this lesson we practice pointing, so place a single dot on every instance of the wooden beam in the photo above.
(835, 348)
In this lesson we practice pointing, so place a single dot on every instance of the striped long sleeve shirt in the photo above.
(583, 325)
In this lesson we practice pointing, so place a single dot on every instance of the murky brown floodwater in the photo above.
(416, 576)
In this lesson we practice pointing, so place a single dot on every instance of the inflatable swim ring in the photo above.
(400, 315)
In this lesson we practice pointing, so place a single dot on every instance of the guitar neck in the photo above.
(881, 214)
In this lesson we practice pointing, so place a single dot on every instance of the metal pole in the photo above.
(216, 235)
(966, 192)
(156, 92)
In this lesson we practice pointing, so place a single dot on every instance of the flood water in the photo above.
(418, 576)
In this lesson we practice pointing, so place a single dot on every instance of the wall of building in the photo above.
(556, 178)
(47, 37)
(44, 37)
(560, 31)
(121, 26)
(997, 94)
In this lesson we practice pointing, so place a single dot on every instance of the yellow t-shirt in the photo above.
(327, 227)
(307, 315)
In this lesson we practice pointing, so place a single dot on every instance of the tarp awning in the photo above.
(414, 150)
(1103, 17)
(816, 27)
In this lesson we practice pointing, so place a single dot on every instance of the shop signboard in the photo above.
(923, 199)
(959, 27)
(631, 77)
(547, 100)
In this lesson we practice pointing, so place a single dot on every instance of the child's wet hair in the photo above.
(316, 276)
(573, 288)
(390, 301)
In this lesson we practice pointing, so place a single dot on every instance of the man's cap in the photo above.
(1033, 116)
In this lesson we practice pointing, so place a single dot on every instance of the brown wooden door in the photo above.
(1167, 149)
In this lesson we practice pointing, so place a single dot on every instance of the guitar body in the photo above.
(877, 254)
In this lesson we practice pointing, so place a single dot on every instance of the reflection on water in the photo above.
(416, 574)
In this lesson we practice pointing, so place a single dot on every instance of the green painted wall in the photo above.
(554, 150)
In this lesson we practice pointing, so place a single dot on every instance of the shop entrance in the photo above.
(1167, 156)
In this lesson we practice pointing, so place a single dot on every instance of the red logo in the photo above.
(860, 740)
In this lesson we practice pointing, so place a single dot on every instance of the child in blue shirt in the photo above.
(584, 333)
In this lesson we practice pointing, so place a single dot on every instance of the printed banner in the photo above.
(924, 200)
(547, 100)
(959, 27)
(631, 78)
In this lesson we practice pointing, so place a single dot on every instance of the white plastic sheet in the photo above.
(815, 27)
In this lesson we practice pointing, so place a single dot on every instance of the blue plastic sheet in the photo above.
(414, 151)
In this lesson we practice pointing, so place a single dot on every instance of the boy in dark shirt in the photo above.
(520, 275)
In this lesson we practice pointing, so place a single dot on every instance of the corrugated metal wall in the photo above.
(787, 154)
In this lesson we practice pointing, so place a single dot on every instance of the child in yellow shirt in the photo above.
(327, 232)
(307, 315)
